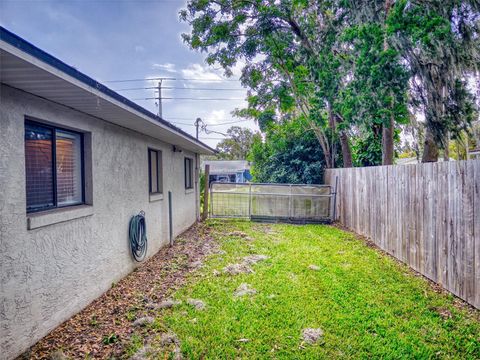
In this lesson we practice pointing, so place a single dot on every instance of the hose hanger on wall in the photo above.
(138, 236)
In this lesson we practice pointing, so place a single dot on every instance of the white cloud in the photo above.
(139, 49)
(237, 69)
(216, 116)
(199, 72)
(169, 67)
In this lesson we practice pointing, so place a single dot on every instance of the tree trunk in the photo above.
(387, 144)
(346, 150)
(446, 150)
(430, 148)
(387, 131)
(320, 135)
(335, 119)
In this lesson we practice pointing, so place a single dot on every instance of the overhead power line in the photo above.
(189, 118)
(180, 88)
(191, 98)
(180, 123)
(208, 124)
(228, 122)
(159, 99)
(170, 79)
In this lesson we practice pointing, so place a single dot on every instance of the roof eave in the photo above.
(19, 47)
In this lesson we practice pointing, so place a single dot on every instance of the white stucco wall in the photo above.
(52, 272)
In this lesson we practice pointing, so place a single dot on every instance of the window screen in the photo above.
(155, 171)
(53, 167)
(188, 173)
(39, 167)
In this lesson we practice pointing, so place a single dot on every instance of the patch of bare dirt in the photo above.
(163, 346)
(103, 328)
(238, 233)
(311, 336)
(144, 321)
(165, 304)
(253, 259)
(243, 290)
(264, 228)
(235, 269)
(244, 266)
(197, 304)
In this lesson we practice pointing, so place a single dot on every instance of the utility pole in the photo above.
(197, 125)
(160, 98)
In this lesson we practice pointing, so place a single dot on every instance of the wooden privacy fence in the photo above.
(426, 215)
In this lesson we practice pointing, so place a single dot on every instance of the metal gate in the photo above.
(273, 202)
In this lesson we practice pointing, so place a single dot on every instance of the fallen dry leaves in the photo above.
(103, 328)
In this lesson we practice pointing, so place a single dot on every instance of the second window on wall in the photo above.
(155, 185)
(188, 173)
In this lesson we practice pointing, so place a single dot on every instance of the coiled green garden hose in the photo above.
(138, 236)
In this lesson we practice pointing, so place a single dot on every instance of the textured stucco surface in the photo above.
(52, 272)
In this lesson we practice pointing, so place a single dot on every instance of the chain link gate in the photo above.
(273, 202)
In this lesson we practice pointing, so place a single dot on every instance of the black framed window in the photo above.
(53, 167)
(188, 173)
(155, 171)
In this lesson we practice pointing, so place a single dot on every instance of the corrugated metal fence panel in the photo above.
(289, 202)
(426, 215)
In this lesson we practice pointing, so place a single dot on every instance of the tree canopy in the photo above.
(352, 73)
(237, 144)
(287, 155)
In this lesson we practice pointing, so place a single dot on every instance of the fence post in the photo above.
(205, 192)
(335, 199)
(250, 201)
(290, 202)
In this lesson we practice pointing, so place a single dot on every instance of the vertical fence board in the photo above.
(384, 195)
(441, 224)
(458, 238)
(427, 215)
(412, 173)
(452, 225)
(429, 240)
(469, 273)
(419, 200)
(404, 220)
(476, 232)
(389, 225)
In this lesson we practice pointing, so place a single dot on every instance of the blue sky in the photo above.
(130, 39)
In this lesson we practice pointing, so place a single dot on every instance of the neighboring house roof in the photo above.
(227, 166)
(473, 154)
(28, 68)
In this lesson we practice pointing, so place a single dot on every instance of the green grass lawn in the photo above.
(367, 304)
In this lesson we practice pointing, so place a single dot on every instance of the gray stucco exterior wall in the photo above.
(51, 272)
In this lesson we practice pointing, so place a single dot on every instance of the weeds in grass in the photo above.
(366, 304)
(131, 315)
(135, 343)
(94, 321)
(110, 339)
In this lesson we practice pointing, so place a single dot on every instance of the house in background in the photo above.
(235, 171)
(78, 160)
(474, 154)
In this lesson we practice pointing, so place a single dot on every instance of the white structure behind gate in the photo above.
(273, 202)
